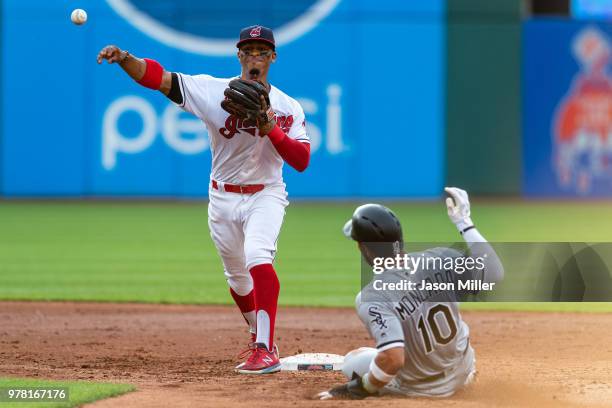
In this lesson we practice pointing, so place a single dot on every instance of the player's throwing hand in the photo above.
(112, 54)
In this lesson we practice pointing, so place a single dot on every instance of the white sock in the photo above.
(250, 317)
(263, 328)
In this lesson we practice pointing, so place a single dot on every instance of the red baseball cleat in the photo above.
(248, 351)
(261, 361)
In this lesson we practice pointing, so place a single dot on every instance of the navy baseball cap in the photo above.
(256, 33)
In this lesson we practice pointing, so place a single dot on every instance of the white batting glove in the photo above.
(458, 206)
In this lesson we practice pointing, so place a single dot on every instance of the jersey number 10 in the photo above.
(435, 329)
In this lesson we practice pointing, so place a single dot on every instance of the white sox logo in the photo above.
(382, 323)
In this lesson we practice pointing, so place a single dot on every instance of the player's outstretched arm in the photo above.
(458, 207)
(148, 73)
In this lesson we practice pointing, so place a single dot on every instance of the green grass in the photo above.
(162, 252)
(80, 392)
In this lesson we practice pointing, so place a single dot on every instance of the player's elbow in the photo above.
(500, 276)
(166, 82)
(300, 167)
(303, 164)
(391, 360)
(495, 270)
(300, 163)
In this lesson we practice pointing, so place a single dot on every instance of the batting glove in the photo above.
(458, 206)
(351, 390)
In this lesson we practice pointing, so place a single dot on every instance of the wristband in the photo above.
(125, 57)
(153, 75)
(367, 385)
(379, 374)
(463, 231)
(463, 223)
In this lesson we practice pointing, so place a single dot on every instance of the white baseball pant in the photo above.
(245, 229)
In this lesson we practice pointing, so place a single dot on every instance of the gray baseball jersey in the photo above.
(427, 323)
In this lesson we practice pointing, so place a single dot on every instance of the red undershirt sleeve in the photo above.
(295, 153)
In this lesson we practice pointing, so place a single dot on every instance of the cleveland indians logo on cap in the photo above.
(256, 32)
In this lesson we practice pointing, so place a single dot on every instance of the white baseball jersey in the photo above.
(239, 154)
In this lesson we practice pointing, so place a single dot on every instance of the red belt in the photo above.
(234, 188)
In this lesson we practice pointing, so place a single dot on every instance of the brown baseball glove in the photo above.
(249, 100)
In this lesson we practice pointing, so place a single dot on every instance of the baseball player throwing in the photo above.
(253, 128)
(422, 343)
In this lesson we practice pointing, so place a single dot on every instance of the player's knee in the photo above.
(257, 253)
(358, 361)
(234, 266)
(358, 301)
(238, 277)
(241, 284)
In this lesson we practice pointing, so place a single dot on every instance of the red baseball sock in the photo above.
(246, 304)
(267, 288)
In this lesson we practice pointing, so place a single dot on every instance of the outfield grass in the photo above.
(162, 252)
(79, 392)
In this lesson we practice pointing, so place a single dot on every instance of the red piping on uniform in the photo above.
(295, 153)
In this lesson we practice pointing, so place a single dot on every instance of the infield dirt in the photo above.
(183, 356)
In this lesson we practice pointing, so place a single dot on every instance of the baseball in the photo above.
(78, 16)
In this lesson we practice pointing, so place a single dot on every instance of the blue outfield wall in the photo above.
(73, 128)
(567, 108)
